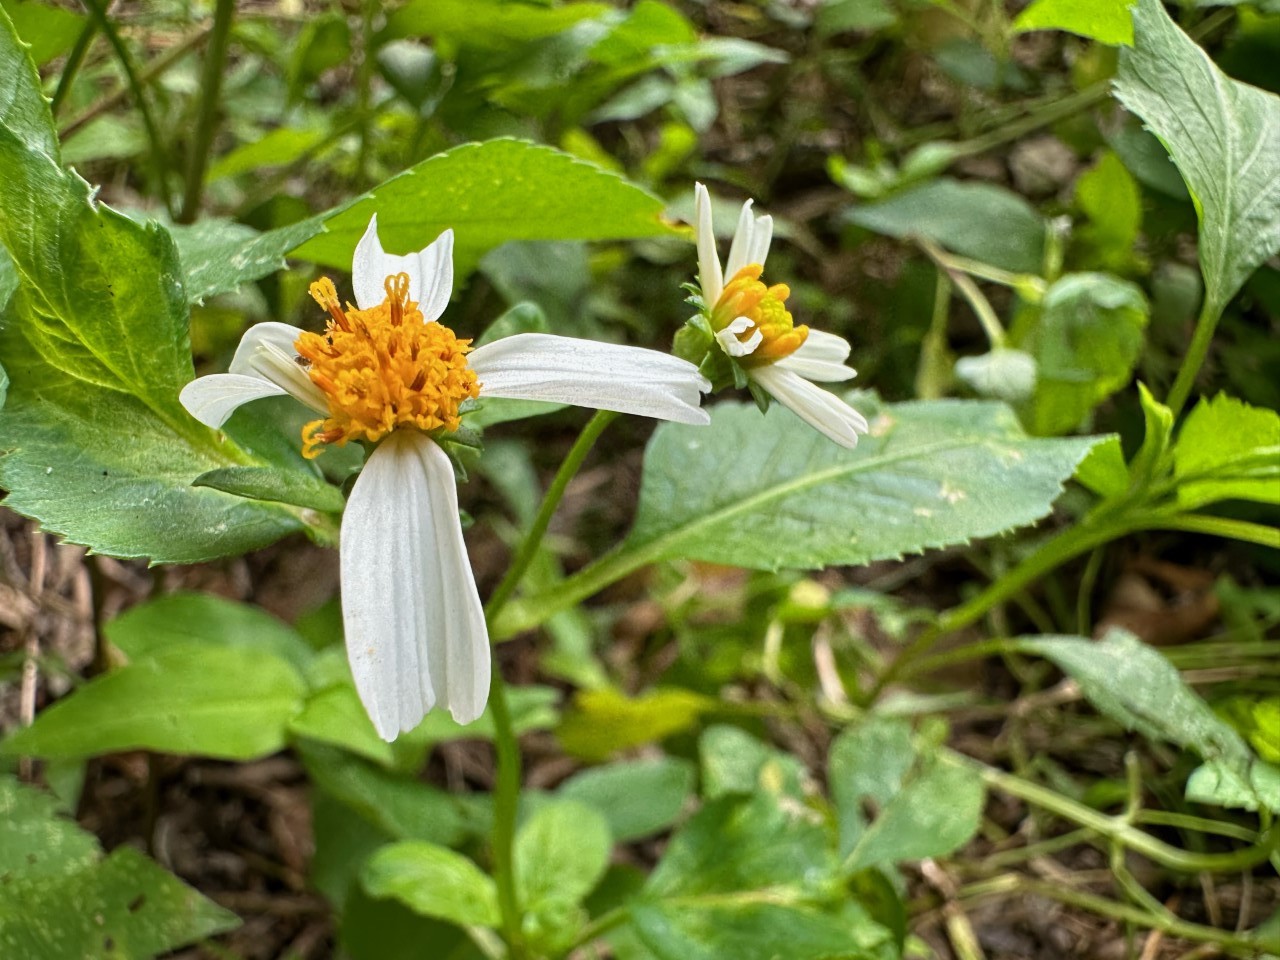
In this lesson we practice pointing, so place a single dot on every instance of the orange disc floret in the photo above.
(746, 296)
(383, 368)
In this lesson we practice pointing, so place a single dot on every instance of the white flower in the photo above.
(752, 326)
(386, 372)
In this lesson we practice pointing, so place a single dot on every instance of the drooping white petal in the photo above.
(267, 351)
(729, 342)
(605, 376)
(213, 399)
(821, 358)
(823, 411)
(415, 630)
(430, 272)
(741, 247)
(709, 275)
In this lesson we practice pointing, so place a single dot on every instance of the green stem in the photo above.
(215, 59)
(158, 160)
(1223, 527)
(506, 807)
(1118, 829)
(75, 60)
(364, 88)
(1206, 324)
(506, 799)
(533, 538)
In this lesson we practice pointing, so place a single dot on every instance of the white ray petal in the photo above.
(820, 345)
(213, 399)
(430, 272)
(605, 376)
(740, 249)
(267, 351)
(709, 275)
(821, 358)
(729, 342)
(761, 237)
(415, 629)
(823, 411)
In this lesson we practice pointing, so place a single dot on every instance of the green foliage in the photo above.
(604, 721)
(928, 805)
(1086, 344)
(470, 189)
(1109, 196)
(762, 493)
(219, 256)
(978, 220)
(434, 882)
(1106, 21)
(733, 761)
(1227, 450)
(561, 853)
(124, 904)
(637, 798)
(1224, 137)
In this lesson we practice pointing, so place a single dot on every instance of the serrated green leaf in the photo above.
(49, 29)
(197, 699)
(275, 485)
(1136, 686)
(200, 618)
(1086, 343)
(95, 340)
(125, 906)
(561, 852)
(637, 798)
(767, 492)
(23, 108)
(1227, 450)
(1106, 21)
(1219, 784)
(979, 220)
(1224, 137)
(218, 256)
(433, 881)
(490, 193)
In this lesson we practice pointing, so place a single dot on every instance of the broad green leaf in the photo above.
(561, 853)
(489, 23)
(95, 341)
(978, 220)
(733, 761)
(294, 487)
(637, 798)
(1224, 137)
(926, 805)
(604, 721)
(124, 906)
(1104, 471)
(760, 931)
(232, 703)
(1135, 685)
(768, 492)
(433, 881)
(837, 16)
(36, 842)
(490, 193)
(335, 716)
(1227, 450)
(399, 805)
(737, 843)
(277, 147)
(196, 618)
(1219, 784)
(51, 30)
(220, 255)
(1106, 21)
(23, 108)
(1086, 343)
(1109, 196)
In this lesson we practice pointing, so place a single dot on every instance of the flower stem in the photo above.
(1206, 324)
(506, 799)
(215, 58)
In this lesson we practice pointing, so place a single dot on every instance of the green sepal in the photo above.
(759, 394)
(694, 340)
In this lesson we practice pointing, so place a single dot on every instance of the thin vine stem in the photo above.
(215, 59)
(506, 799)
(75, 60)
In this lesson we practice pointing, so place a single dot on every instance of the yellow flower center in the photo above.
(383, 368)
(746, 296)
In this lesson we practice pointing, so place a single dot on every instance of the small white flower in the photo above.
(753, 327)
(386, 372)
